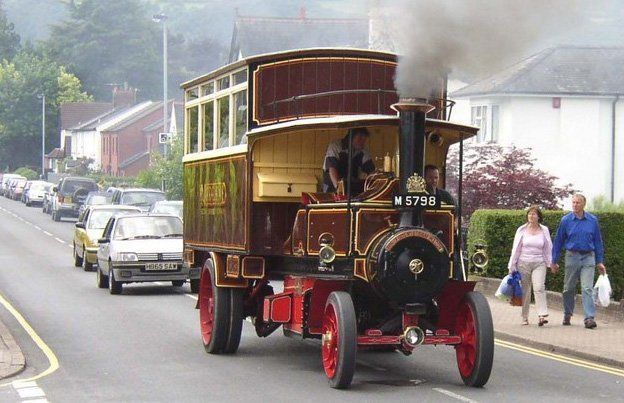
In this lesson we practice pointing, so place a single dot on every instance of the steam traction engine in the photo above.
(377, 267)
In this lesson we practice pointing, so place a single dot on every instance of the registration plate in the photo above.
(416, 200)
(161, 266)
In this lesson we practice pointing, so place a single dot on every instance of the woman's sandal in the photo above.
(525, 322)
(542, 321)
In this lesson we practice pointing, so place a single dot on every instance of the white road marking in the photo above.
(454, 395)
(37, 227)
(70, 246)
(47, 233)
(24, 384)
(59, 240)
(30, 392)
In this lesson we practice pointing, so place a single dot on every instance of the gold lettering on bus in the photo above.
(418, 234)
(212, 195)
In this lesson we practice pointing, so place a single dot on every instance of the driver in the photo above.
(335, 166)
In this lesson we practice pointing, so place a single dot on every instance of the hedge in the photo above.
(498, 227)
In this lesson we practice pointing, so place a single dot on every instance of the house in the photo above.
(257, 35)
(567, 104)
(126, 144)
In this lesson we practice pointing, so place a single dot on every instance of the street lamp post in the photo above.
(163, 18)
(43, 113)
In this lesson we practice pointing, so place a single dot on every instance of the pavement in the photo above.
(12, 360)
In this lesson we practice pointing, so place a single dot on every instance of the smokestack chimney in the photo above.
(412, 115)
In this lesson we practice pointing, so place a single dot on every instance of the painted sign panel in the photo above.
(215, 203)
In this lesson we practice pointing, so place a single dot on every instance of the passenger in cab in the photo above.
(335, 166)
(432, 177)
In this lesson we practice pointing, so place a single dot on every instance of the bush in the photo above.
(498, 227)
(27, 173)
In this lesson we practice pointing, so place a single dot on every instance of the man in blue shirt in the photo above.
(579, 235)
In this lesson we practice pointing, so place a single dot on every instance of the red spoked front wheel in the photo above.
(475, 354)
(339, 339)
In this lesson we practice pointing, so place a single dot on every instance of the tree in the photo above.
(9, 40)
(169, 169)
(27, 173)
(115, 41)
(500, 177)
(21, 81)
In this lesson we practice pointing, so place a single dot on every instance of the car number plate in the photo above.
(161, 266)
(416, 201)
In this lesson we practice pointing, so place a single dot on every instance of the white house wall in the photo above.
(86, 144)
(572, 142)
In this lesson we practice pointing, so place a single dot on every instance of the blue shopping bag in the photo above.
(514, 283)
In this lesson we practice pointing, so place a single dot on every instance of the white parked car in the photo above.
(140, 248)
(36, 192)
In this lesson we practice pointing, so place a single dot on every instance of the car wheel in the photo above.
(102, 280)
(86, 266)
(56, 216)
(177, 283)
(77, 259)
(114, 286)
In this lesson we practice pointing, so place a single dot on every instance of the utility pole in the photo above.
(43, 113)
(163, 18)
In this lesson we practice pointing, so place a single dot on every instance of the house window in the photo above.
(479, 119)
(495, 118)
(208, 121)
(224, 121)
(240, 108)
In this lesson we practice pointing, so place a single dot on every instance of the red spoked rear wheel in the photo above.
(213, 311)
(339, 339)
(475, 354)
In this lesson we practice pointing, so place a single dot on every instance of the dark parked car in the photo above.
(69, 195)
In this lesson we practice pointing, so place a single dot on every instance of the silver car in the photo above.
(141, 248)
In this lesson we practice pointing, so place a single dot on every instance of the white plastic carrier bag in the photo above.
(602, 290)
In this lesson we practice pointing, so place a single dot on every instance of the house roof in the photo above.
(113, 118)
(139, 114)
(57, 153)
(74, 113)
(136, 157)
(561, 70)
(255, 35)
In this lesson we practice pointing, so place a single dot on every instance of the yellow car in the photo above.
(89, 229)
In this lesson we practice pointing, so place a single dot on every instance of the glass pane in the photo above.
(224, 122)
(240, 103)
(208, 88)
(192, 94)
(208, 111)
(192, 114)
(240, 77)
(223, 83)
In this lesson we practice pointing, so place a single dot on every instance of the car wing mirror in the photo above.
(103, 240)
(80, 225)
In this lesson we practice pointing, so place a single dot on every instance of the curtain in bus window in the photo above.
(240, 103)
(208, 111)
(224, 121)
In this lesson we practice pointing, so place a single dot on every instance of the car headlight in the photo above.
(128, 257)
(327, 254)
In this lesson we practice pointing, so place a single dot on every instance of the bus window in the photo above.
(208, 111)
(240, 103)
(224, 121)
(192, 114)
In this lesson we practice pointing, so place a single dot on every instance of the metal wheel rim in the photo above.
(329, 349)
(466, 351)
(206, 307)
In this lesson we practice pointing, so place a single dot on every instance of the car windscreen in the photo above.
(148, 227)
(99, 199)
(70, 186)
(99, 218)
(141, 198)
(37, 186)
(169, 209)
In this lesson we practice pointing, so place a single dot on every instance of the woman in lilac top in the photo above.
(531, 255)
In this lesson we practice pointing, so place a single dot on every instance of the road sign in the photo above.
(164, 138)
